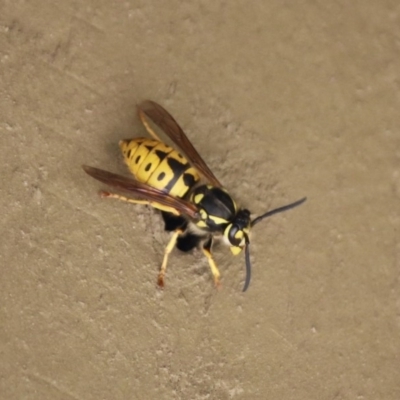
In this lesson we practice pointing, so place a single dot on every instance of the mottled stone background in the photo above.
(283, 100)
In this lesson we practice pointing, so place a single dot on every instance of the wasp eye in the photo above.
(234, 234)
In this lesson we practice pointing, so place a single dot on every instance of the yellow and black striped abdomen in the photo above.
(159, 165)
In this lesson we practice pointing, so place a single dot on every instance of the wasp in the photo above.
(195, 206)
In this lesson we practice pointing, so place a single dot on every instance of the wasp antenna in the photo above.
(278, 210)
(248, 264)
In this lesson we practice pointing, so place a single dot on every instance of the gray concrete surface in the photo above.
(283, 100)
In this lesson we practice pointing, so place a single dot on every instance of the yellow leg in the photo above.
(154, 204)
(117, 196)
(171, 244)
(211, 262)
(147, 126)
(167, 251)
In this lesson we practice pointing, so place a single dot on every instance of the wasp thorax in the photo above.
(216, 207)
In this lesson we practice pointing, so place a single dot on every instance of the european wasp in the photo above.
(194, 204)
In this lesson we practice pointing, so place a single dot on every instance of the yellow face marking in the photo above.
(235, 250)
(226, 232)
(239, 235)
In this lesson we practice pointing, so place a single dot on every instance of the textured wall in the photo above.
(282, 99)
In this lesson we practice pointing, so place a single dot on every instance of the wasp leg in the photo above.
(117, 196)
(147, 126)
(188, 242)
(214, 269)
(173, 222)
(167, 251)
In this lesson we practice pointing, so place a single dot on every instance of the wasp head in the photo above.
(237, 233)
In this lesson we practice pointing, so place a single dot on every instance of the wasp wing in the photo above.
(143, 191)
(163, 119)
